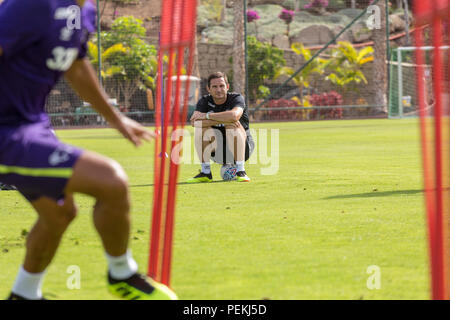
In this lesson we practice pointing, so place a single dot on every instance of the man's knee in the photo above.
(209, 136)
(100, 177)
(56, 217)
(235, 132)
(66, 215)
(236, 138)
(116, 183)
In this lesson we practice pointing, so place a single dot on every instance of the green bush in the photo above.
(263, 62)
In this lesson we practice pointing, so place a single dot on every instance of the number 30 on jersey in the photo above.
(62, 58)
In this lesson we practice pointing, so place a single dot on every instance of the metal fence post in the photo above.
(247, 101)
(99, 44)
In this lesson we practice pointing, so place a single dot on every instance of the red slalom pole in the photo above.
(437, 85)
(177, 33)
(185, 11)
(160, 150)
(430, 12)
(169, 218)
(153, 259)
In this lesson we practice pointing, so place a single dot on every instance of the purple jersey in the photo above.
(40, 40)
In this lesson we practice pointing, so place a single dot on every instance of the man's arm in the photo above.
(83, 80)
(1, 51)
(230, 116)
(205, 123)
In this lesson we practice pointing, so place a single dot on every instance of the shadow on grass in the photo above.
(375, 194)
(180, 183)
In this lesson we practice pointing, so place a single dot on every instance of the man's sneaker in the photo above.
(201, 177)
(14, 296)
(241, 176)
(139, 287)
(4, 186)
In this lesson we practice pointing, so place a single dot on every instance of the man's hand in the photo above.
(197, 115)
(133, 131)
(194, 115)
(225, 117)
(233, 125)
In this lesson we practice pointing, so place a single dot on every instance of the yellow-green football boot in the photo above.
(201, 177)
(139, 287)
(241, 176)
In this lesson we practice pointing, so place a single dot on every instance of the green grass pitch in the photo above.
(347, 196)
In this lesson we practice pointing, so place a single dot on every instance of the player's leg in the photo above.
(41, 245)
(40, 166)
(106, 181)
(45, 236)
(205, 144)
(236, 138)
(249, 145)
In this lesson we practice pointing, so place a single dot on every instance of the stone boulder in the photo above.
(350, 13)
(281, 41)
(313, 35)
(361, 33)
(346, 36)
(397, 23)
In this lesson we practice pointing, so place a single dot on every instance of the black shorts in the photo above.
(221, 148)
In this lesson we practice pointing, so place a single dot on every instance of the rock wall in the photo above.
(216, 57)
(149, 11)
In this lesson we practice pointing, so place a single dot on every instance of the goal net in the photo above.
(403, 99)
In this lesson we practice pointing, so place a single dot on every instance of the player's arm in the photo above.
(204, 123)
(229, 116)
(201, 109)
(83, 80)
(1, 51)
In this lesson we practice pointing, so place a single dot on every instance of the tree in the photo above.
(239, 71)
(195, 67)
(224, 11)
(136, 66)
(346, 63)
(380, 76)
(287, 16)
(116, 3)
(107, 57)
(263, 62)
(303, 78)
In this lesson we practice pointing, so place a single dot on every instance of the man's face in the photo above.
(218, 88)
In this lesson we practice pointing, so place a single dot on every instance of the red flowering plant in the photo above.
(253, 16)
(317, 6)
(327, 99)
(283, 114)
(287, 16)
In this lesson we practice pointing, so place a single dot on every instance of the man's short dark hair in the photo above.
(217, 75)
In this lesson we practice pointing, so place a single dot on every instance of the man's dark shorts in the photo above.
(221, 149)
(35, 161)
